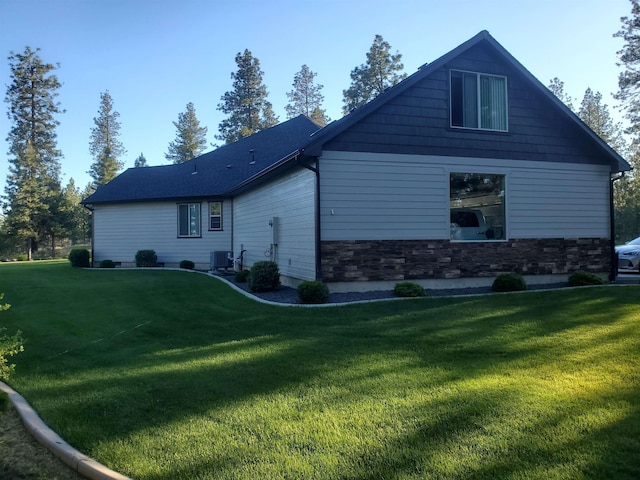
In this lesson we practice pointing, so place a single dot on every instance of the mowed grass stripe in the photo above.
(214, 385)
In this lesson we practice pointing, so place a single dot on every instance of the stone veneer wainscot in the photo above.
(369, 260)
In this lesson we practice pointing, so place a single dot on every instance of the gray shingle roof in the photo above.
(213, 174)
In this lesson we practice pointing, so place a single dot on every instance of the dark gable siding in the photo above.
(417, 121)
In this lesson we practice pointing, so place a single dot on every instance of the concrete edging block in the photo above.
(55, 444)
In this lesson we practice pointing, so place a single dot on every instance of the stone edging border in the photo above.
(51, 440)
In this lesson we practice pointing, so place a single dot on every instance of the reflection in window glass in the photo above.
(477, 210)
(189, 220)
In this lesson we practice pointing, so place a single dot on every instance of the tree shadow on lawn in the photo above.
(423, 348)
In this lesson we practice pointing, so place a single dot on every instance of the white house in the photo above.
(465, 170)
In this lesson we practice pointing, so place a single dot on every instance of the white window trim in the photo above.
(209, 216)
(478, 75)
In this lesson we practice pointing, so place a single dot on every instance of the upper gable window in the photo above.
(478, 101)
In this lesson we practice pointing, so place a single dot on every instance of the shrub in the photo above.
(409, 289)
(187, 264)
(242, 276)
(107, 264)
(9, 346)
(79, 257)
(582, 278)
(21, 257)
(509, 282)
(146, 258)
(313, 292)
(264, 276)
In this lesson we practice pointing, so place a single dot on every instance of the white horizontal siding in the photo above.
(366, 196)
(121, 230)
(291, 198)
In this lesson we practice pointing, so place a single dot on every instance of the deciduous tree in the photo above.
(247, 105)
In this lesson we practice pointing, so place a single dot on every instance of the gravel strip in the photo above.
(288, 295)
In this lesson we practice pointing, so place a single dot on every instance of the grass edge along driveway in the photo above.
(169, 375)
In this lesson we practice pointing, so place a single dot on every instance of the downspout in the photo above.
(318, 236)
(613, 271)
(92, 242)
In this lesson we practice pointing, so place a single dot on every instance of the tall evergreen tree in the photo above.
(596, 115)
(141, 161)
(104, 145)
(191, 139)
(306, 97)
(557, 88)
(33, 178)
(247, 105)
(381, 71)
(629, 58)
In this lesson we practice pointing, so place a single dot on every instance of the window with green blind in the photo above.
(478, 101)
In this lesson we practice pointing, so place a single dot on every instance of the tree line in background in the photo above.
(38, 210)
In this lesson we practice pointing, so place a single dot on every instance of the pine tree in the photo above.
(629, 80)
(306, 97)
(596, 115)
(247, 105)
(381, 71)
(141, 161)
(104, 146)
(33, 178)
(557, 88)
(191, 138)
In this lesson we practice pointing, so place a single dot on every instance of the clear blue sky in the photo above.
(155, 56)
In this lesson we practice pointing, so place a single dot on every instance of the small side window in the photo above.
(215, 216)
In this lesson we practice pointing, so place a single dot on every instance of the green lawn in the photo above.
(173, 375)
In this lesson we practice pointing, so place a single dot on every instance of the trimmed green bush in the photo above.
(107, 264)
(79, 257)
(313, 292)
(509, 282)
(21, 257)
(187, 264)
(582, 278)
(146, 258)
(264, 277)
(242, 276)
(409, 289)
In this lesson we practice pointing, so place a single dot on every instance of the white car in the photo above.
(629, 255)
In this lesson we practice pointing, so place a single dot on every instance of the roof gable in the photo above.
(213, 174)
(582, 138)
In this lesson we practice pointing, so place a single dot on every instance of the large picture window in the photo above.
(478, 101)
(215, 216)
(477, 206)
(189, 220)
